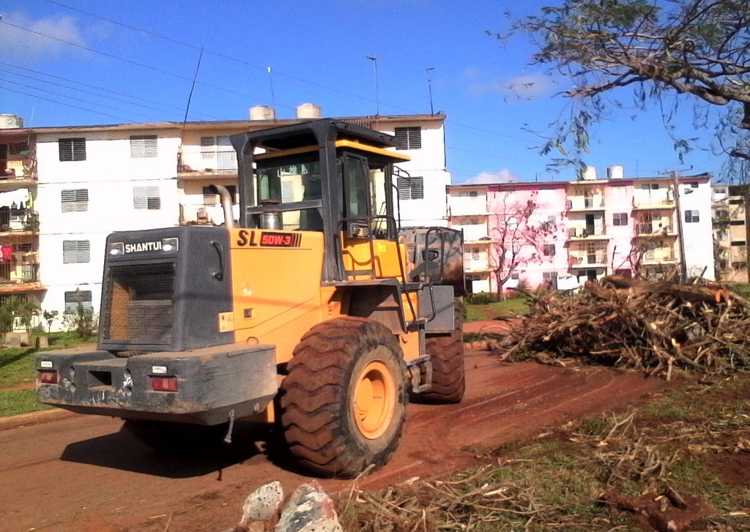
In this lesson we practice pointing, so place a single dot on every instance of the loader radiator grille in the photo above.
(139, 304)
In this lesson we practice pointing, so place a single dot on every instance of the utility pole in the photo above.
(377, 88)
(429, 71)
(745, 205)
(680, 234)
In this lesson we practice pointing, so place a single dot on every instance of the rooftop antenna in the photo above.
(377, 88)
(273, 94)
(429, 71)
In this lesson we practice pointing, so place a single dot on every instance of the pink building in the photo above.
(560, 233)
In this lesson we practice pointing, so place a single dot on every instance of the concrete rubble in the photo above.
(308, 509)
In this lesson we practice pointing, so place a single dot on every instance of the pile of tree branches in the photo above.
(653, 326)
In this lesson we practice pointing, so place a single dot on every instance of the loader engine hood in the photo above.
(166, 290)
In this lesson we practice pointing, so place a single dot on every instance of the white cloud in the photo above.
(482, 178)
(19, 44)
(521, 87)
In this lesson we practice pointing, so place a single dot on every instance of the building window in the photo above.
(475, 254)
(738, 242)
(76, 251)
(146, 198)
(78, 297)
(408, 138)
(219, 151)
(72, 149)
(692, 216)
(143, 146)
(75, 200)
(735, 202)
(410, 188)
(549, 250)
(211, 195)
(620, 218)
(737, 222)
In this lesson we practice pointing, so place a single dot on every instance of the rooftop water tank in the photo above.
(589, 172)
(615, 171)
(308, 110)
(262, 112)
(9, 121)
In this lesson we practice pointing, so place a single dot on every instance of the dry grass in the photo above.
(580, 476)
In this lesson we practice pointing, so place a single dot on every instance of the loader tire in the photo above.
(343, 402)
(447, 355)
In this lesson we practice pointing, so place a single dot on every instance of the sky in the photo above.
(497, 103)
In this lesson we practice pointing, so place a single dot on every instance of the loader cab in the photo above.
(326, 176)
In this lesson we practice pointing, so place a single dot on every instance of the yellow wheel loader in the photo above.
(312, 312)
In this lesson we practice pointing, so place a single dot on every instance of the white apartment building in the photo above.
(93, 180)
(587, 228)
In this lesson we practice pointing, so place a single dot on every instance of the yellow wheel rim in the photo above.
(374, 400)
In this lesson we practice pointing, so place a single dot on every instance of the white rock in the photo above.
(309, 509)
(262, 504)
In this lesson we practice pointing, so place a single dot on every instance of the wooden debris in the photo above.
(653, 326)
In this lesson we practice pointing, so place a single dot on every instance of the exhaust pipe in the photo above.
(226, 204)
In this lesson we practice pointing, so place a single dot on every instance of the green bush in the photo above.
(482, 298)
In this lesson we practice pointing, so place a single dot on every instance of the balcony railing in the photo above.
(588, 259)
(650, 229)
(587, 202)
(17, 273)
(18, 220)
(587, 232)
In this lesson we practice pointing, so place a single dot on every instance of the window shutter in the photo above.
(72, 149)
(415, 138)
(76, 251)
(76, 200)
(417, 188)
(404, 189)
(402, 138)
(408, 138)
(142, 146)
(146, 198)
(76, 297)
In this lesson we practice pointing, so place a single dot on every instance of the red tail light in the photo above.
(164, 384)
(48, 377)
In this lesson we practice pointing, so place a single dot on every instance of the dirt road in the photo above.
(81, 473)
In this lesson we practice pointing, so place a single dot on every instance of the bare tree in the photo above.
(662, 50)
(517, 239)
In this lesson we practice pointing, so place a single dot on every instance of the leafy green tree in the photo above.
(667, 52)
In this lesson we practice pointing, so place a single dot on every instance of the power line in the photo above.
(95, 87)
(259, 68)
(127, 60)
(61, 103)
(78, 89)
(60, 95)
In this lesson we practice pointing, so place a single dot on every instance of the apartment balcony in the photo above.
(476, 266)
(17, 162)
(207, 164)
(483, 241)
(588, 260)
(18, 222)
(576, 234)
(650, 230)
(20, 276)
(654, 206)
(656, 260)
(585, 204)
(467, 206)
